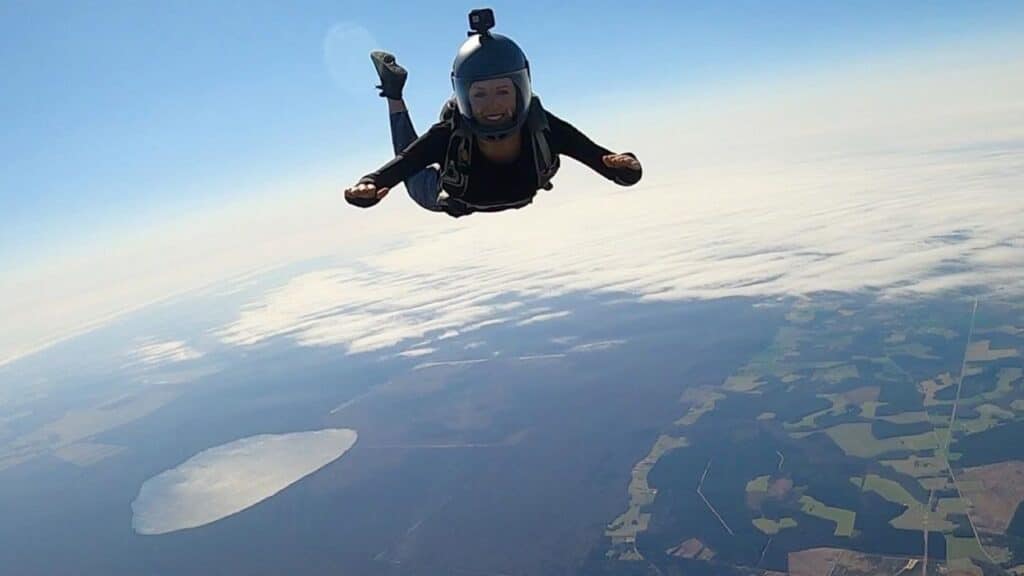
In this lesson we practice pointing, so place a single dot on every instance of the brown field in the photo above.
(692, 548)
(994, 491)
(814, 562)
(980, 352)
(779, 488)
(840, 562)
(687, 549)
(931, 387)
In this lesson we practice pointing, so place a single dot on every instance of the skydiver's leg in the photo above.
(422, 186)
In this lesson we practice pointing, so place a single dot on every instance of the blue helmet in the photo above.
(486, 56)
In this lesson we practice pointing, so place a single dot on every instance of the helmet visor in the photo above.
(496, 104)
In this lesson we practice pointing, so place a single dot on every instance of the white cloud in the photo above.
(923, 217)
(450, 363)
(151, 353)
(414, 352)
(541, 356)
(361, 311)
(597, 346)
(543, 317)
(227, 479)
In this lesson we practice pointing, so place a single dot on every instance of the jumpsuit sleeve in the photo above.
(573, 143)
(428, 149)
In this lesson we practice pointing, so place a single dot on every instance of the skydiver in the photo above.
(494, 145)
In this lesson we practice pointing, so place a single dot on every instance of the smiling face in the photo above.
(493, 101)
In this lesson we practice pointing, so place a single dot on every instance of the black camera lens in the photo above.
(481, 20)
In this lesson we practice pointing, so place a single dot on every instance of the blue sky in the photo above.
(120, 113)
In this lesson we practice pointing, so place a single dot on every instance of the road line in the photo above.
(708, 504)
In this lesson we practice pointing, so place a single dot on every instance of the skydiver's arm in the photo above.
(566, 139)
(422, 152)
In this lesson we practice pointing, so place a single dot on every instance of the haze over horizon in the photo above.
(796, 343)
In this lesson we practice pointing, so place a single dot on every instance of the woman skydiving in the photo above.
(494, 145)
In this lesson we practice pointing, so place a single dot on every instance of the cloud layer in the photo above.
(919, 194)
(902, 174)
(227, 479)
(152, 353)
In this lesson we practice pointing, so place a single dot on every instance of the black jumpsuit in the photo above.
(492, 186)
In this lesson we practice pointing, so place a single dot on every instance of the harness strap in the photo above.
(459, 156)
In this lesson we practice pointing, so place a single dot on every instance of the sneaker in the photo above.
(392, 76)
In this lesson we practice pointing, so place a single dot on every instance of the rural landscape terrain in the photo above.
(870, 437)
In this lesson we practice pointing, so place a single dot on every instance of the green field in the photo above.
(632, 521)
(742, 383)
(759, 484)
(839, 405)
(867, 409)
(952, 506)
(1004, 383)
(906, 418)
(771, 527)
(990, 417)
(918, 466)
(963, 549)
(913, 519)
(701, 401)
(837, 374)
(890, 490)
(857, 440)
(843, 518)
(937, 483)
(915, 349)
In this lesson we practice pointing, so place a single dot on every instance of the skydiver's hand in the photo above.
(365, 195)
(621, 161)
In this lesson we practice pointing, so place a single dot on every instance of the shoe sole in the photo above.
(385, 62)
